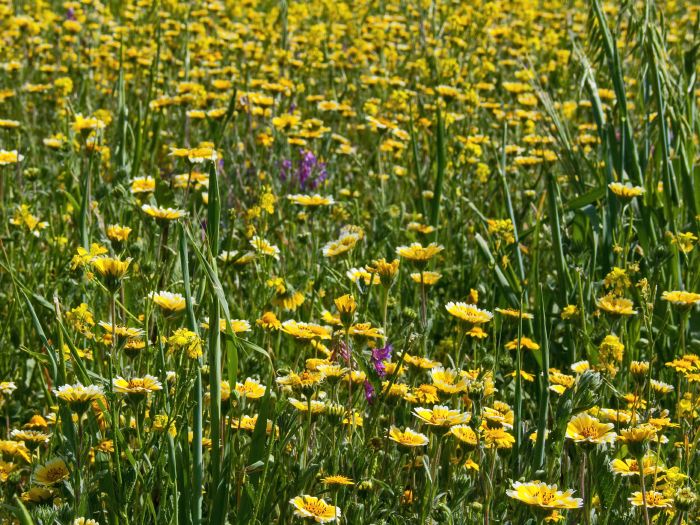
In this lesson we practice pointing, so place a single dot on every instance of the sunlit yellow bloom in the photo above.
(616, 305)
(143, 185)
(250, 388)
(544, 496)
(681, 298)
(305, 331)
(630, 466)
(653, 500)
(315, 508)
(166, 214)
(168, 301)
(525, 343)
(468, 313)
(418, 253)
(269, 321)
(440, 416)
(583, 428)
(137, 386)
(315, 200)
(337, 480)
(51, 472)
(626, 191)
(408, 437)
(118, 233)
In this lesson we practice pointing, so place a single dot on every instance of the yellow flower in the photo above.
(118, 233)
(337, 480)
(250, 388)
(366, 330)
(15, 449)
(315, 508)
(682, 299)
(386, 270)
(238, 326)
(440, 416)
(264, 247)
(569, 312)
(497, 438)
(9, 157)
(544, 496)
(616, 305)
(137, 386)
(305, 331)
(111, 267)
(6, 468)
(408, 437)
(626, 191)
(143, 185)
(583, 428)
(184, 339)
(418, 253)
(171, 302)
(513, 313)
(87, 124)
(269, 321)
(653, 500)
(79, 397)
(428, 278)
(525, 342)
(465, 434)
(315, 200)
(448, 381)
(346, 304)
(51, 472)
(165, 214)
(468, 313)
(31, 438)
(630, 467)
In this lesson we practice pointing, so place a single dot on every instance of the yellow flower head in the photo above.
(168, 301)
(583, 428)
(315, 508)
(408, 437)
(418, 253)
(51, 472)
(545, 496)
(468, 313)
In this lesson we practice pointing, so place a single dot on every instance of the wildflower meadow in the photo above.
(369, 262)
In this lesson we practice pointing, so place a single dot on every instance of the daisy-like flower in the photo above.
(525, 343)
(497, 437)
(408, 437)
(468, 313)
(630, 466)
(269, 321)
(448, 381)
(440, 416)
(654, 500)
(418, 253)
(31, 438)
(305, 331)
(544, 496)
(337, 479)
(313, 201)
(264, 247)
(616, 306)
(118, 233)
(51, 472)
(429, 278)
(625, 191)
(10, 157)
(344, 244)
(111, 269)
(251, 389)
(583, 428)
(238, 326)
(143, 185)
(164, 214)
(137, 386)
(465, 434)
(681, 299)
(315, 508)
(79, 397)
(168, 301)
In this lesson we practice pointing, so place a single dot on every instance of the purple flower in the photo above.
(369, 392)
(309, 172)
(379, 355)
